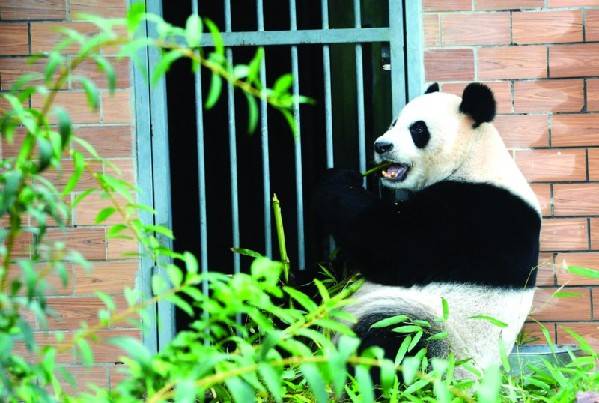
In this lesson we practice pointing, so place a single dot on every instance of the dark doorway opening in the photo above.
(182, 131)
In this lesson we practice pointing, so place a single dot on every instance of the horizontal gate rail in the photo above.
(304, 37)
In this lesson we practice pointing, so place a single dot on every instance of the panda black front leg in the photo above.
(369, 231)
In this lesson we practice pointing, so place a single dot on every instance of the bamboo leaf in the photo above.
(219, 44)
(364, 384)
(240, 390)
(87, 355)
(490, 319)
(584, 272)
(106, 67)
(91, 92)
(104, 214)
(315, 381)
(393, 320)
(216, 85)
(252, 113)
(135, 16)
(193, 31)
(165, 63)
(273, 381)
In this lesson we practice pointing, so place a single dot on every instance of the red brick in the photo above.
(573, 3)
(543, 193)
(75, 103)
(32, 10)
(552, 165)
(475, 29)
(574, 60)
(431, 30)
(109, 277)
(109, 141)
(104, 349)
(121, 249)
(12, 68)
(534, 335)
(547, 27)
(104, 8)
(564, 260)
(593, 95)
(53, 282)
(575, 130)
(449, 65)
(84, 377)
(116, 108)
(595, 233)
(576, 199)
(45, 339)
(60, 177)
(14, 39)
(595, 294)
(589, 330)
(118, 373)
(90, 242)
(90, 70)
(506, 4)
(501, 90)
(45, 35)
(548, 96)
(22, 244)
(523, 131)
(72, 311)
(547, 306)
(85, 213)
(546, 270)
(446, 5)
(512, 62)
(125, 169)
(592, 25)
(593, 164)
(564, 234)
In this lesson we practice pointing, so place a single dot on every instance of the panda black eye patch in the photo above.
(420, 134)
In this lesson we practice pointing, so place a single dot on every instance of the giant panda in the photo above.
(469, 232)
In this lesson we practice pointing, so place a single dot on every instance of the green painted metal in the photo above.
(141, 94)
(396, 43)
(414, 51)
(303, 37)
(160, 174)
(404, 34)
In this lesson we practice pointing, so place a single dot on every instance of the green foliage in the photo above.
(253, 337)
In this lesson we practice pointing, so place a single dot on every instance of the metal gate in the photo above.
(403, 36)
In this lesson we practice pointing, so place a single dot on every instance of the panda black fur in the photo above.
(468, 234)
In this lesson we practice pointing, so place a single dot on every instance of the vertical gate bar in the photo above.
(360, 95)
(264, 142)
(297, 142)
(143, 135)
(414, 45)
(396, 45)
(201, 169)
(328, 108)
(326, 57)
(161, 177)
(232, 148)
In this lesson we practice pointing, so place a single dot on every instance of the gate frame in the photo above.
(151, 135)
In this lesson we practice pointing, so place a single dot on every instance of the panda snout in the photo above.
(381, 146)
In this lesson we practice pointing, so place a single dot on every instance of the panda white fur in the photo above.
(469, 233)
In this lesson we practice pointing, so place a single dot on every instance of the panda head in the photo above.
(432, 136)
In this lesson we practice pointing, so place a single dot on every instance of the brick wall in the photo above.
(540, 59)
(28, 26)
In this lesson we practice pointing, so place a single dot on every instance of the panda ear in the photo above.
(434, 87)
(478, 103)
